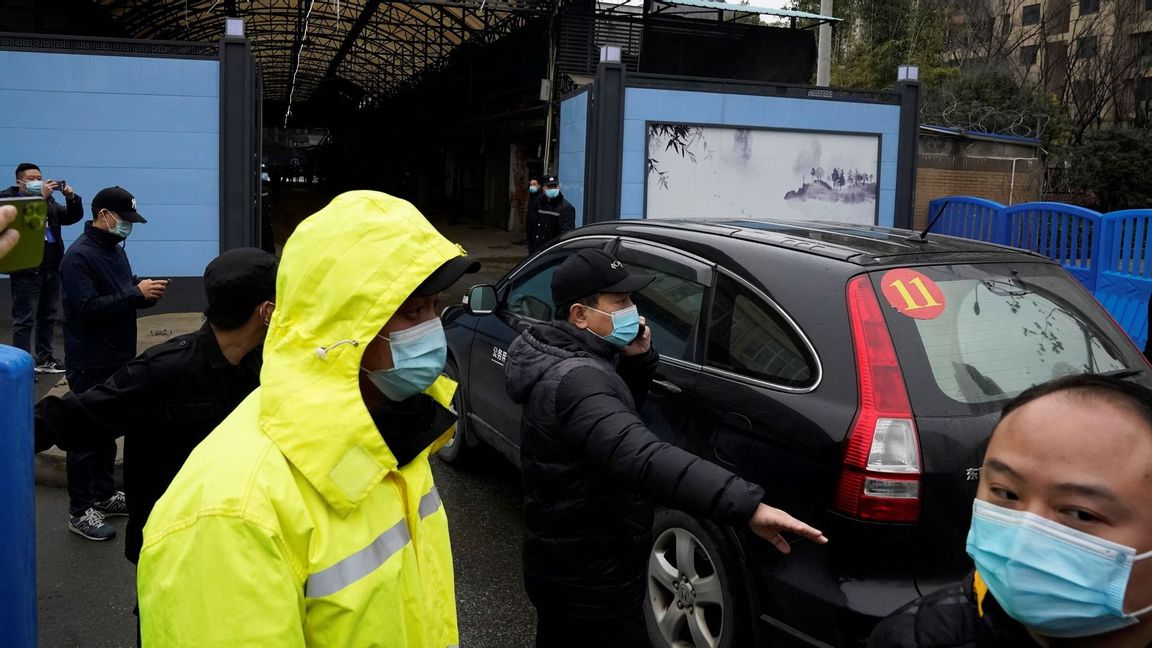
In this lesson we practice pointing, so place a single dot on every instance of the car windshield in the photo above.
(982, 334)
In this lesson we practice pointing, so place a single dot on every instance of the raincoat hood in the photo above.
(541, 347)
(344, 272)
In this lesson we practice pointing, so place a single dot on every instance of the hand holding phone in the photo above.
(8, 237)
(152, 289)
(642, 342)
(23, 237)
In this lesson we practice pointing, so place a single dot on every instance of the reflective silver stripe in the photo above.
(359, 564)
(430, 503)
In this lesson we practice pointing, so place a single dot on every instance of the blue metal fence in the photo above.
(1110, 254)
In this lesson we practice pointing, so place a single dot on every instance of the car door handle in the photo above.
(667, 386)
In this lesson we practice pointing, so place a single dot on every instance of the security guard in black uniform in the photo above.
(170, 397)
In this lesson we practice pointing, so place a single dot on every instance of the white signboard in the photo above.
(732, 173)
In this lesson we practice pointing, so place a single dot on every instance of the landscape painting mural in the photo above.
(723, 172)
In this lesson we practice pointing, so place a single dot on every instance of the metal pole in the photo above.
(18, 560)
(548, 167)
(824, 49)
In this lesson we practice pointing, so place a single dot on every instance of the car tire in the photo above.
(693, 604)
(456, 451)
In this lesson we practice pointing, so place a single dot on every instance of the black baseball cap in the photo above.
(550, 180)
(591, 271)
(446, 275)
(239, 280)
(118, 201)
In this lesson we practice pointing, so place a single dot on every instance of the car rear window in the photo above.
(971, 337)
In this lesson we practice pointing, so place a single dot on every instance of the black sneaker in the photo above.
(114, 506)
(50, 366)
(91, 525)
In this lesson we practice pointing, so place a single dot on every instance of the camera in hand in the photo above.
(60, 184)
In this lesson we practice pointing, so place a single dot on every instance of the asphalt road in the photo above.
(87, 589)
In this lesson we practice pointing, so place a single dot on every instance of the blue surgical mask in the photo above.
(418, 356)
(552, 193)
(625, 326)
(122, 228)
(1054, 579)
(34, 187)
(533, 189)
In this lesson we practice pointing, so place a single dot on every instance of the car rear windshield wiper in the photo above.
(1121, 373)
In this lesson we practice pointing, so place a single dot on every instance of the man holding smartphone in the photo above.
(36, 291)
(593, 471)
(101, 296)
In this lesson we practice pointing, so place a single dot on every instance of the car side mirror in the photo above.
(481, 300)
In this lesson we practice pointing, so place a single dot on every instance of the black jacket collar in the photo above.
(103, 237)
(215, 356)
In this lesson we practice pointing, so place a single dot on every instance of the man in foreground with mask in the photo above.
(1061, 529)
(591, 469)
(309, 517)
(101, 296)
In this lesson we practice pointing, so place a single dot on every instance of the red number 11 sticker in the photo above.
(912, 294)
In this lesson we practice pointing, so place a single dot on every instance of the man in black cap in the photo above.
(591, 469)
(101, 296)
(554, 215)
(171, 396)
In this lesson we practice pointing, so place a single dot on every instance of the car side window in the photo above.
(671, 303)
(530, 292)
(747, 336)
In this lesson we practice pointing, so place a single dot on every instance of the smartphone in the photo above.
(60, 184)
(639, 334)
(31, 218)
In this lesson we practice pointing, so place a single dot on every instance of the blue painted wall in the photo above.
(148, 125)
(573, 151)
(646, 104)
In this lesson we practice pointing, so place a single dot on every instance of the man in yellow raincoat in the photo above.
(309, 517)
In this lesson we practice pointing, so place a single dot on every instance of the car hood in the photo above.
(541, 347)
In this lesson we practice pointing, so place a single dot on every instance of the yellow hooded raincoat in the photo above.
(291, 524)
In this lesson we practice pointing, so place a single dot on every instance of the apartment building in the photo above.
(1095, 56)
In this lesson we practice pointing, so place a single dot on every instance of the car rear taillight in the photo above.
(880, 478)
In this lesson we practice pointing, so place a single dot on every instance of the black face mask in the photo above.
(411, 425)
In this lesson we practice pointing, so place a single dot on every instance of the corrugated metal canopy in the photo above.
(378, 46)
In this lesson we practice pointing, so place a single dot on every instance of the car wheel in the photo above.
(691, 581)
(456, 450)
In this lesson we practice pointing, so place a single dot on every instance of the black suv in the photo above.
(853, 372)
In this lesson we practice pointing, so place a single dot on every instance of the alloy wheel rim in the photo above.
(685, 591)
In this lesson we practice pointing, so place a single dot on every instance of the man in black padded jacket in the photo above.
(592, 471)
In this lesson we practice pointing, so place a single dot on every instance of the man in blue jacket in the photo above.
(101, 296)
(36, 291)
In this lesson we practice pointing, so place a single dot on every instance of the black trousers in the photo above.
(90, 473)
(555, 629)
(35, 293)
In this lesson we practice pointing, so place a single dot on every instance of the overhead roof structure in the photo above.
(743, 10)
(380, 47)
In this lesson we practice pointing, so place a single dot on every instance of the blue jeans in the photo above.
(35, 294)
(90, 473)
